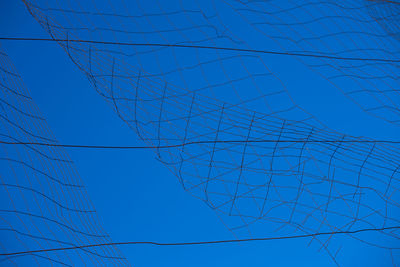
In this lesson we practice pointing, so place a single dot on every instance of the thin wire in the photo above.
(196, 142)
(199, 242)
(198, 46)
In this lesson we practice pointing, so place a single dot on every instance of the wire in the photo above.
(196, 142)
(200, 47)
(199, 242)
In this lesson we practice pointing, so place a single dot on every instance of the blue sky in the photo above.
(138, 198)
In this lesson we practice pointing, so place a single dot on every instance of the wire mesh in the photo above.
(43, 202)
(309, 178)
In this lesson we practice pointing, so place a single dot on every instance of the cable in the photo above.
(200, 47)
(197, 142)
(198, 242)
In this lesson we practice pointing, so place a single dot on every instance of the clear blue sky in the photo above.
(136, 196)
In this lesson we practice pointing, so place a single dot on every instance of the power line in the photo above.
(198, 242)
(196, 143)
(200, 47)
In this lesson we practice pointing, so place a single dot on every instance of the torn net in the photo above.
(43, 202)
(263, 170)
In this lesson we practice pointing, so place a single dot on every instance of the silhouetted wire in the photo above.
(196, 143)
(199, 47)
(191, 243)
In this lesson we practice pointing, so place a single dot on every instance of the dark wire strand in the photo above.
(199, 242)
(196, 143)
(200, 47)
